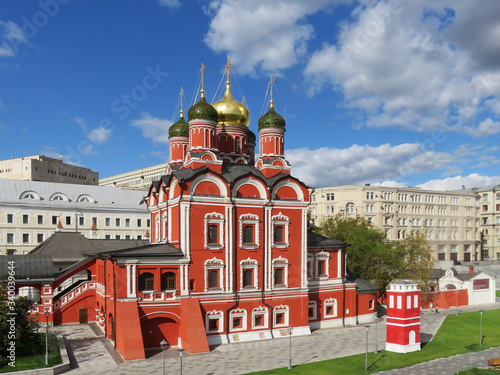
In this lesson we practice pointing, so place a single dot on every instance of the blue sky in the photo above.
(400, 93)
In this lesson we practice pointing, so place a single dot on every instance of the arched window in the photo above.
(168, 281)
(146, 281)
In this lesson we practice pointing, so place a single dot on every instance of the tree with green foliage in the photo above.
(16, 327)
(372, 257)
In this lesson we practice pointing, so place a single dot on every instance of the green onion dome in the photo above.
(202, 111)
(251, 137)
(271, 119)
(179, 128)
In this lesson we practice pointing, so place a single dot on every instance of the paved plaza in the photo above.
(94, 354)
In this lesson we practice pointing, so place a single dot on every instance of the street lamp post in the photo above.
(180, 355)
(47, 339)
(290, 329)
(457, 301)
(376, 336)
(481, 329)
(163, 345)
(366, 356)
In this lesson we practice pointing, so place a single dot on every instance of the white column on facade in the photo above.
(339, 263)
(128, 280)
(186, 279)
(229, 249)
(304, 249)
(134, 280)
(268, 239)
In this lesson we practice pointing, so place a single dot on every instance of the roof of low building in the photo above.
(319, 241)
(362, 286)
(74, 245)
(33, 268)
(151, 250)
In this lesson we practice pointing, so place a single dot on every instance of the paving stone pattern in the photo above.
(95, 355)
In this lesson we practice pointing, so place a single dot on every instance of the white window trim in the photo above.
(281, 309)
(238, 313)
(260, 311)
(284, 221)
(323, 255)
(310, 266)
(249, 264)
(314, 306)
(165, 226)
(214, 264)
(249, 219)
(330, 302)
(214, 315)
(280, 263)
(218, 219)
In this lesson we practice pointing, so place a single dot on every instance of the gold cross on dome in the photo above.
(180, 94)
(202, 84)
(228, 66)
(271, 83)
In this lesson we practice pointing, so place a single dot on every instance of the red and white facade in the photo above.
(403, 317)
(231, 256)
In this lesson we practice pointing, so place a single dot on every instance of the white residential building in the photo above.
(30, 212)
(140, 178)
(450, 219)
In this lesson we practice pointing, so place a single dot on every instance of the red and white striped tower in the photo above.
(403, 317)
(178, 135)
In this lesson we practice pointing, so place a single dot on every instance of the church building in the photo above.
(231, 258)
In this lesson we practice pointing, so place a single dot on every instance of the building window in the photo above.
(312, 311)
(260, 318)
(330, 306)
(127, 236)
(214, 275)
(148, 223)
(371, 304)
(369, 195)
(280, 272)
(322, 264)
(39, 237)
(213, 279)
(349, 208)
(117, 221)
(278, 234)
(139, 223)
(68, 220)
(107, 222)
(10, 237)
(25, 219)
(81, 220)
(10, 218)
(127, 222)
(168, 281)
(146, 281)
(214, 321)
(54, 220)
(214, 234)
(94, 221)
(248, 234)
(26, 238)
(238, 319)
(118, 237)
(107, 237)
(248, 273)
(280, 316)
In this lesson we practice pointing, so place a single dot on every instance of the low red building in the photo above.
(231, 257)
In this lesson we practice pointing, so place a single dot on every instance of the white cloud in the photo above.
(364, 164)
(169, 3)
(458, 182)
(10, 38)
(153, 127)
(99, 135)
(414, 65)
(261, 34)
(54, 152)
(485, 128)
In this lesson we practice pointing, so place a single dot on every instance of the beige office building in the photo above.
(489, 210)
(450, 219)
(31, 211)
(139, 179)
(43, 168)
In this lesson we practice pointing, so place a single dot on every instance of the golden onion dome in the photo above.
(230, 111)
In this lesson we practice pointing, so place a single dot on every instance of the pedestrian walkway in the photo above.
(95, 355)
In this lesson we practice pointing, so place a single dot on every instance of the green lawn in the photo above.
(29, 362)
(458, 334)
(477, 371)
(498, 293)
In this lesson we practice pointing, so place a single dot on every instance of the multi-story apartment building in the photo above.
(489, 211)
(30, 212)
(140, 178)
(43, 168)
(450, 218)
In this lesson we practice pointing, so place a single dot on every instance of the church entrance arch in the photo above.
(157, 328)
